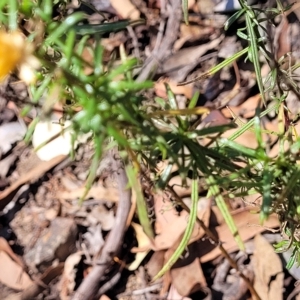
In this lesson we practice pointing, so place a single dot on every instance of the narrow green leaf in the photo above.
(251, 153)
(13, 15)
(248, 125)
(100, 29)
(217, 68)
(64, 27)
(171, 97)
(165, 176)
(185, 6)
(194, 100)
(214, 191)
(98, 141)
(233, 18)
(188, 232)
(30, 130)
(267, 179)
(142, 210)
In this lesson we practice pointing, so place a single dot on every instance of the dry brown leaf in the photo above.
(191, 33)
(144, 244)
(14, 275)
(240, 91)
(248, 226)
(173, 294)
(104, 297)
(155, 263)
(247, 139)
(170, 225)
(37, 287)
(245, 110)
(125, 9)
(98, 192)
(166, 284)
(160, 89)
(268, 280)
(13, 296)
(189, 278)
(283, 37)
(181, 190)
(109, 193)
(4, 246)
(278, 148)
(178, 65)
(7, 195)
(215, 118)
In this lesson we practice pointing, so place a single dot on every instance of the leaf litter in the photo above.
(59, 239)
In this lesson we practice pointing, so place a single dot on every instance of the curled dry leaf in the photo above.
(5, 247)
(182, 191)
(155, 263)
(238, 94)
(14, 275)
(215, 118)
(144, 246)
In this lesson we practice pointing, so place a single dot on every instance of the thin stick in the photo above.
(91, 284)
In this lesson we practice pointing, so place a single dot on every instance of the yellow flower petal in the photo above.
(12, 47)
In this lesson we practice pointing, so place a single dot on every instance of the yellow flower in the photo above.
(16, 52)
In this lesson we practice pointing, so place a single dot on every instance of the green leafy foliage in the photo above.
(276, 179)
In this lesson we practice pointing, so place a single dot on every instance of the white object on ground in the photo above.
(44, 131)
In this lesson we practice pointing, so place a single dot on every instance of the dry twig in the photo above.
(92, 283)
(164, 45)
